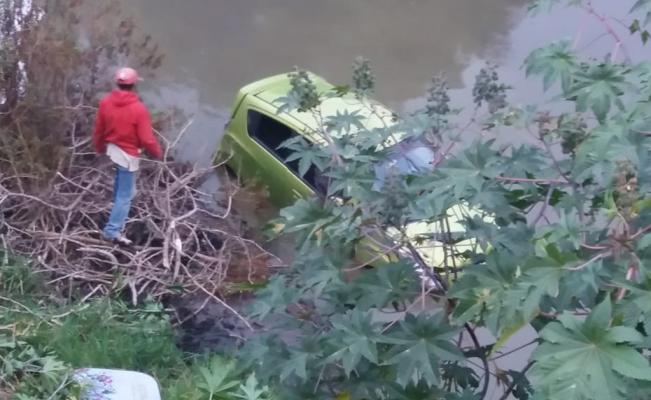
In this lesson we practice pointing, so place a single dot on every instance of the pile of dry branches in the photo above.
(184, 239)
(55, 194)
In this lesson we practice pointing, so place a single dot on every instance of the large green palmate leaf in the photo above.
(468, 171)
(636, 306)
(484, 294)
(598, 87)
(273, 298)
(554, 62)
(541, 278)
(506, 295)
(512, 239)
(618, 139)
(420, 344)
(354, 336)
(296, 365)
(252, 390)
(217, 377)
(344, 122)
(588, 359)
(306, 153)
(525, 160)
(382, 286)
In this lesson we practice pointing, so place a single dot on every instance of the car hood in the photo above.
(442, 244)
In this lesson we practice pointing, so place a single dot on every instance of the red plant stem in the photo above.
(619, 43)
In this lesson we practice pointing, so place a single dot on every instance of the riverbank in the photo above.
(43, 339)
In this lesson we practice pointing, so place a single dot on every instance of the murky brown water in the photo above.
(213, 47)
(224, 44)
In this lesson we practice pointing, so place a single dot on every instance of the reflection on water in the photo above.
(214, 47)
(224, 44)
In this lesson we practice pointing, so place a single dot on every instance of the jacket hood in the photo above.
(121, 98)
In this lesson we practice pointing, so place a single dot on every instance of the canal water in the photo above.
(213, 47)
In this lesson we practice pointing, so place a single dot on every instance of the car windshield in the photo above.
(406, 157)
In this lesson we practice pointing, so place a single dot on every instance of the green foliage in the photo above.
(599, 86)
(438, 106)
(552, 234)
(214, 378)
(46, 74)
(639, 25)
(251, 390)
(27, 371)
(538, 6)
(16, 277)
(363, 79)
(421, 343)
(30, 373)
(144, 336)
(488, 89)
(589, 359)
(41, 346)
(42, 342)
(554, 62)
(304, 97)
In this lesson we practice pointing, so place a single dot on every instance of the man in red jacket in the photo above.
(122, 130)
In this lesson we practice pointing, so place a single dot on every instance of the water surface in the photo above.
(213, 47)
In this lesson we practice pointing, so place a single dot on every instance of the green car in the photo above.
(256, 130)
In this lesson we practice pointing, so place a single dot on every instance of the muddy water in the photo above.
(213, 47)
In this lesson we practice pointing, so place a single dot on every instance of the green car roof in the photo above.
(374, 115)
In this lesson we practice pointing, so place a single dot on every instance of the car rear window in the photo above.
(271, 133)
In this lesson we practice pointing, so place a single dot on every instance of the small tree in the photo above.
(53, 66)
(562, 242)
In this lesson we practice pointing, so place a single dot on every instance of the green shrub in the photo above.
(108, 334)
(16, 276)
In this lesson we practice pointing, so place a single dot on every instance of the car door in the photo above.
(268, 132)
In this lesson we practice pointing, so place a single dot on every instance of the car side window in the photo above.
(271, 133)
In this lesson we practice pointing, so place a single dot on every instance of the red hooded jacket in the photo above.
(123, 120)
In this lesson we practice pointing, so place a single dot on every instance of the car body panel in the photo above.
(250, 159)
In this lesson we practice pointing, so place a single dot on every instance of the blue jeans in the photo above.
(124, 189)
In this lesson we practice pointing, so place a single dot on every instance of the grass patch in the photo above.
(43, 339)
